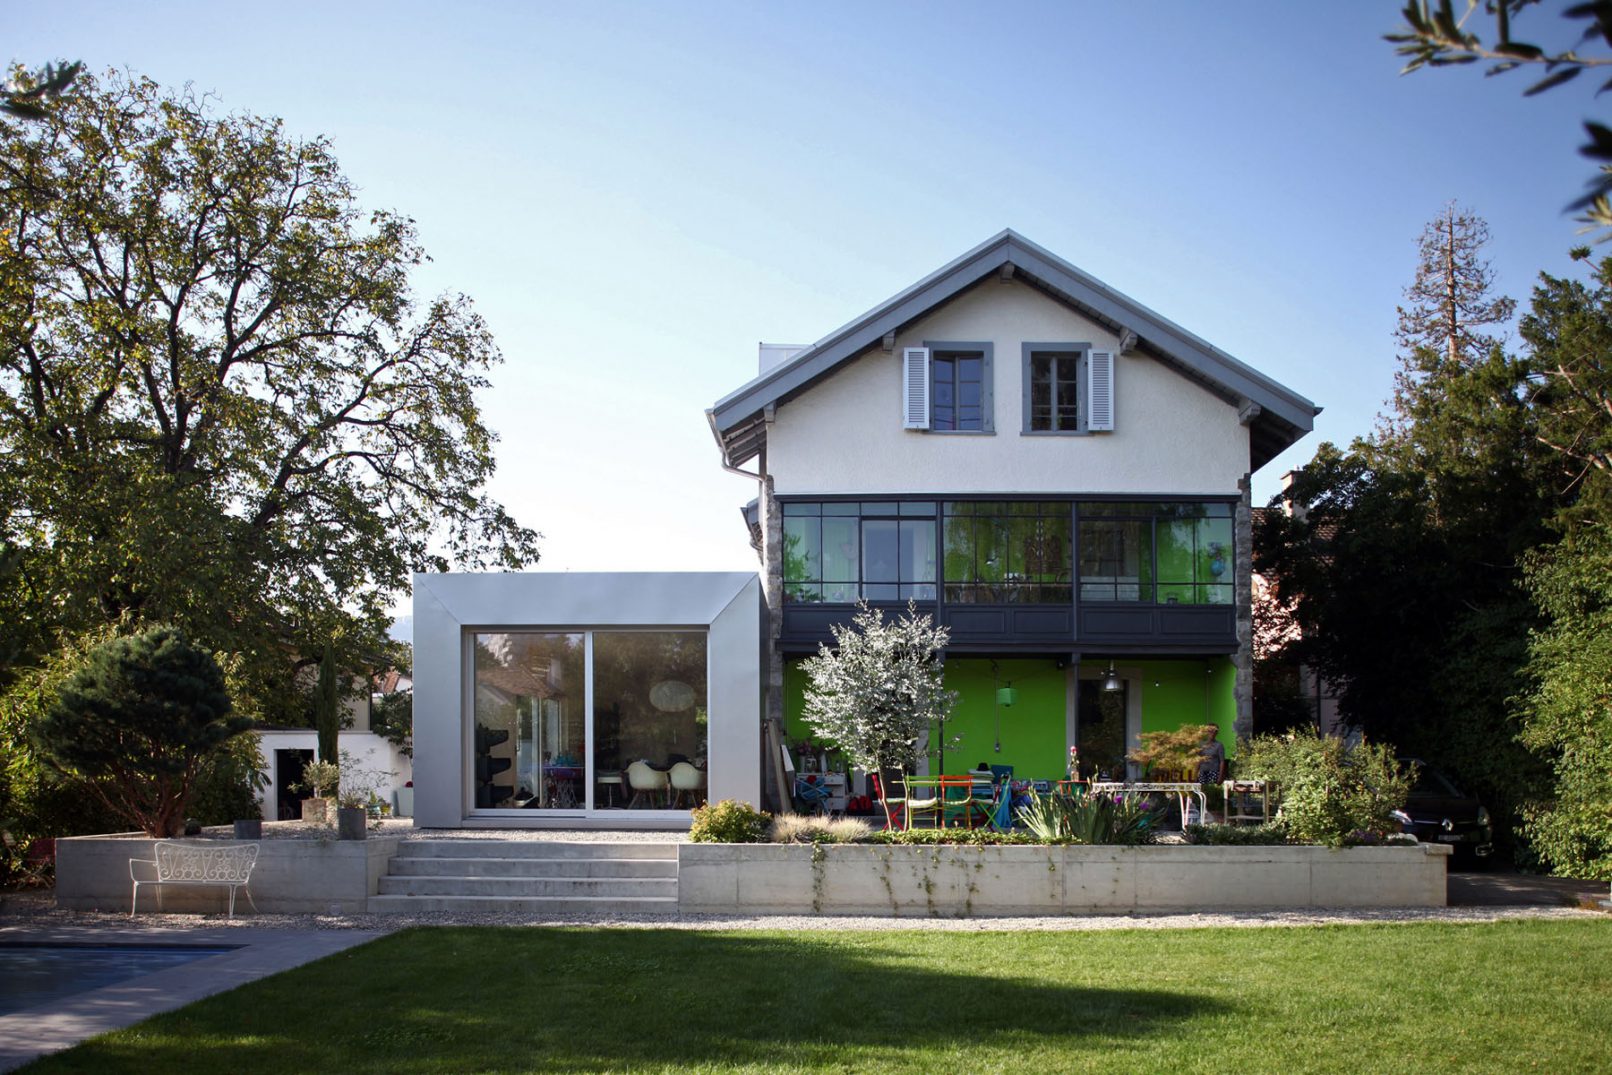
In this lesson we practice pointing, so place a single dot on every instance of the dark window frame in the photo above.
(884, 510)
(1151, 513)
(1081, 352)
(950, 350)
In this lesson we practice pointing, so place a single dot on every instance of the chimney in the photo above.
(1291, 507)
(772, 355)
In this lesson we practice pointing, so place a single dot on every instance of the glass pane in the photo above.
(841, 507)
(918, 507)
(839, 592)
(881, 591)
(917, 550)
(970, 370)
(649, 719)
(803, 550)
(841, 550)
(795, 508)
(919, 592)
(881, 507)
(1116, 560)
(881, 556)
(968, 394)
(529, 731)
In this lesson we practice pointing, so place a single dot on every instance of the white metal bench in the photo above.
(207, 862)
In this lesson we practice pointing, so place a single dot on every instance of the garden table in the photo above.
(1180, 789)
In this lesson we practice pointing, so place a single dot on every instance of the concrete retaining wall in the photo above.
(964, 881)
(291, 876)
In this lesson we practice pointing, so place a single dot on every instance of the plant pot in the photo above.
(249, 829)
(316, 811)
(351, 823)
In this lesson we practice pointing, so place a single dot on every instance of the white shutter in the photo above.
(915, 388)
(1100, 391)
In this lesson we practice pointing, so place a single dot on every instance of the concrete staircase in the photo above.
(531, 877)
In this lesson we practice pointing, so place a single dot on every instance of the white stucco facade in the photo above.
(369, 752)
(1172, 435)
(450, 608)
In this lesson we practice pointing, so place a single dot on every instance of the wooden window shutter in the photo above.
(915, 388)
(1100, 391)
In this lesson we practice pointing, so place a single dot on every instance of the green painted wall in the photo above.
(1032, 729)
(1173, 693)
(1183, 692)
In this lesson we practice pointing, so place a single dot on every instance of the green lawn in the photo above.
(1512, 996)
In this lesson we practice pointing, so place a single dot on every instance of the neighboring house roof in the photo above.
(1277, 416)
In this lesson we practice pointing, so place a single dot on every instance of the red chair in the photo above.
(894, 809)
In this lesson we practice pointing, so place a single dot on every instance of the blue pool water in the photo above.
(35, 974)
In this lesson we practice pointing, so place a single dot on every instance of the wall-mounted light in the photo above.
(1111, 681)
(1006, 696)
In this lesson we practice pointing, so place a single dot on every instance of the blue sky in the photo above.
(635, 194)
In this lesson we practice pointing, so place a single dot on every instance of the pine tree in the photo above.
(136, 726)
(1448, 306)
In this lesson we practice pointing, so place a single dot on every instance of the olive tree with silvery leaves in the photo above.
(879, 691)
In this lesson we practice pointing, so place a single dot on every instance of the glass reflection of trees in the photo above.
(649, 702)
(528, 719)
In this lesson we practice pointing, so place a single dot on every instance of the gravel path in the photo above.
(22, 911)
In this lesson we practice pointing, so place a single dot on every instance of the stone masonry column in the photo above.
(1243, 591)
(772, 679)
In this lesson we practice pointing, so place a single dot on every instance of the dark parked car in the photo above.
(1438, 812)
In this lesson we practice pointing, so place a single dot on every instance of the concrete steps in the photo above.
(529, 877)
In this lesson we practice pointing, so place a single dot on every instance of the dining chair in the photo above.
(895, 809)
(956, 795)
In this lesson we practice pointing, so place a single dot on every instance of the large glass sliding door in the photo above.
(537, 746)
(649, 719)
(530, 732)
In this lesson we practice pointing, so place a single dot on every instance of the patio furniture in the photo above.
(1239, 810)
(895, 808)
(810, 797)
(956, 794)
(1181, 789)
(197, 863)
(923, 797)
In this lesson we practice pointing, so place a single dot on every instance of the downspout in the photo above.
(772, 723)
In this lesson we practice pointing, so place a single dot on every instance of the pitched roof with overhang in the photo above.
(1276, 415)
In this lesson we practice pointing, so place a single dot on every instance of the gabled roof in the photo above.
(1277, 416)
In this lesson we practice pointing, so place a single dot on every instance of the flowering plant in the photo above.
(1074, 763)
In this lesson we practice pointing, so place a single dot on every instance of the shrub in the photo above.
(1331, 793)
(1174, 754)
(729, 822)
(805, 829)
(136, 725)
(1090, 819)
(930, 837)
(1236, 835)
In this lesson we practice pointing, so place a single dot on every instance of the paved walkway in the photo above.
(48, 1028)
(1498, 888)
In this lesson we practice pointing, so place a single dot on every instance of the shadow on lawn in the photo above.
(594, 999)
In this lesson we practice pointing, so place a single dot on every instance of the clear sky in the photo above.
(636, 194)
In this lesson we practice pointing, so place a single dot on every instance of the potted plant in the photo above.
(355, 792)
(320, 777)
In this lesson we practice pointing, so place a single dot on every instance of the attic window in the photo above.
(947, 388)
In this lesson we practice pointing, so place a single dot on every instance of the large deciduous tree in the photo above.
(1567, 711)
(221, 405)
